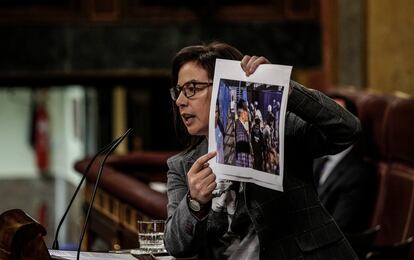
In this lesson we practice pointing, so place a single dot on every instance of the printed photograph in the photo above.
(247, 120)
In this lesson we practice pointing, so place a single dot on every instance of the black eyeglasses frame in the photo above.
(188, 93)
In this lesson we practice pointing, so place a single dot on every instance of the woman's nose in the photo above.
(181, 100)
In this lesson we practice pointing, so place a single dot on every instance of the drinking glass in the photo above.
(151, 236)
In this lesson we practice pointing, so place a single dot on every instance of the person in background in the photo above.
(243, 148)
(219, 131)
(257, 145)
(269, 157)
(347, 183)
(261, 223)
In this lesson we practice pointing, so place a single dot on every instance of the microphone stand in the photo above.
(104, 149)
(114, 146)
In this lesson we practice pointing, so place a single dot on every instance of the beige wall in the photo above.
(390, 45)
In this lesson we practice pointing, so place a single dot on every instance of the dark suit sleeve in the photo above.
(355, 198)
(321, 126)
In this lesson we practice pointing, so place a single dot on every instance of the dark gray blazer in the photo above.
(349, 192)
(290, 224)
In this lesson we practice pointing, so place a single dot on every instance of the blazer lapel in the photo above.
(200, 150)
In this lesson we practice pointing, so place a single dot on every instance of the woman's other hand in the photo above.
(250, 63)
(201, 179)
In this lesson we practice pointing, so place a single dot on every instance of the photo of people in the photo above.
(247, 119)
(247, 123)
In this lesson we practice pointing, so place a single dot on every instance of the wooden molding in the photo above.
(301, 9)
(104, 10)
(135, 12)
(72, 12)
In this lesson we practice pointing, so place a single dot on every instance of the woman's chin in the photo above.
(197, 132)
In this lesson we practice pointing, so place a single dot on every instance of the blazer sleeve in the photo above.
(319, 124)
(184, 232)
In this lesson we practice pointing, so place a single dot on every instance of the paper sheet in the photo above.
(247, 122)
(61, 254)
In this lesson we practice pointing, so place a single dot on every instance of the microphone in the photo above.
(111, 149)
(104, 149)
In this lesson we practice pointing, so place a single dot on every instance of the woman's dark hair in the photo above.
(205, 56)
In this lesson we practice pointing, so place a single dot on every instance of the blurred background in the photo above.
(75, 74)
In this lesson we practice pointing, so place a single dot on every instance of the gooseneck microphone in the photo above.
(111, 149)
(104, 149)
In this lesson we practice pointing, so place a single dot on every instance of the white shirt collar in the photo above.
(333, 160)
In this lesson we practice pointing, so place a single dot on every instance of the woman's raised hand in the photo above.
(250, 63)
(201, 179)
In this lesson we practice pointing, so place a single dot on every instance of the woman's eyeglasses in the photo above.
(189, 89)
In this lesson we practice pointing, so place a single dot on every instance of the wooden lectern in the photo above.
(21, 237)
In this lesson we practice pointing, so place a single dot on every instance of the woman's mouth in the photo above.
(187, 118)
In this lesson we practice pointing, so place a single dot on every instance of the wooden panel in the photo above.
(234, 11)
(41, 12)
(114, 236)
(327, 43)
(104, 10)
(390, 37)
(129, 216)
(301, 9)
(134, 11)
(112, 221)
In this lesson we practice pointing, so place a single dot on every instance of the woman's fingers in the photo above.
(203, 173)
(201, 162)
(200, 185)
(204, 187)
(209, 178)
(247, 65)
(210, 187)
(250, 63)
(244, 62)
(257, 62)
(200, 177)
